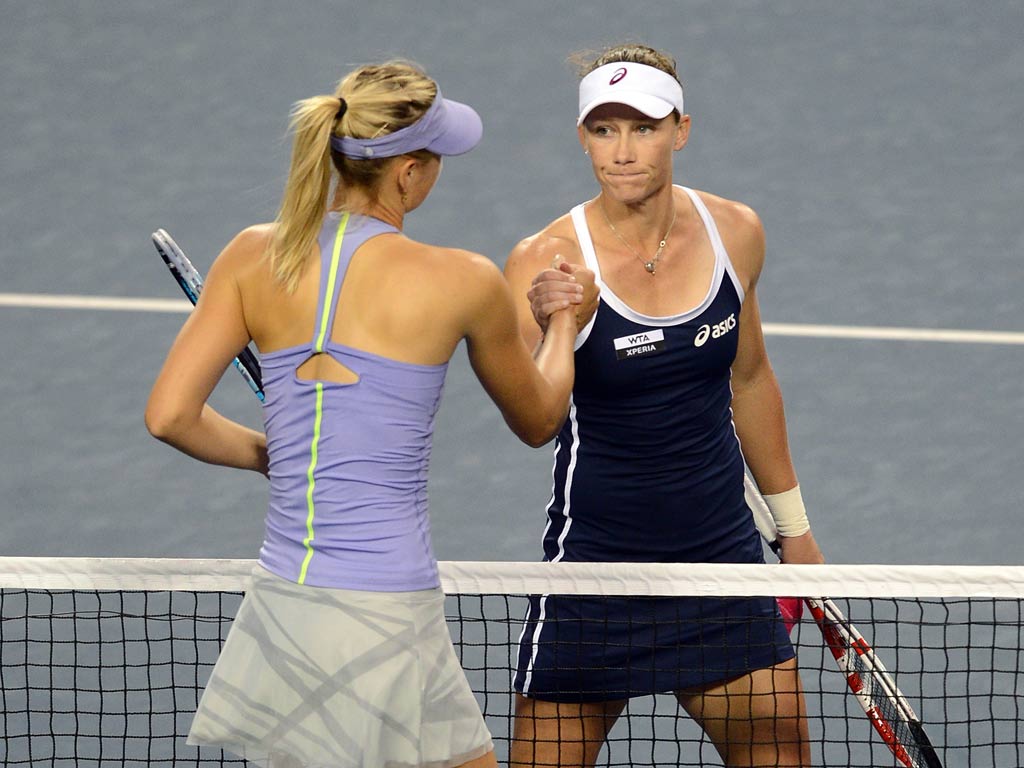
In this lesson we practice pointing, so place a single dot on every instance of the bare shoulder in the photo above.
(245, 250)
(434, 257)
(474, 273)
(742, 234)
(539, 250)
(732, 215)
(476, 264)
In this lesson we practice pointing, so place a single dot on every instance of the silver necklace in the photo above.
(651, 265)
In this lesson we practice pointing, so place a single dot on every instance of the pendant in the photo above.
(649, 266)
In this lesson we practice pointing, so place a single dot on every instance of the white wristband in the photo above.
(788, 510)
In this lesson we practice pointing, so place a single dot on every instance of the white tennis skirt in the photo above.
(320, 677)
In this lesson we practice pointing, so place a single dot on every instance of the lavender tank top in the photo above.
(348, 462)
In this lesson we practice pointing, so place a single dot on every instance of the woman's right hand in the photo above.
(560, 287)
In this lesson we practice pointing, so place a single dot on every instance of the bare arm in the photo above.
(532, 392)
(758, 411)
(760, 420)
(213, 334)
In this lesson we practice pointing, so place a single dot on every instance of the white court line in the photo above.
(65, 301)
(892, 334)
(59, 301)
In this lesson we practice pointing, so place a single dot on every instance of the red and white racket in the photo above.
(871, 684)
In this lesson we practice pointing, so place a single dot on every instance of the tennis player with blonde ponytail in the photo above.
(340, 655)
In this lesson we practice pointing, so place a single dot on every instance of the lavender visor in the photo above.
(446, 128)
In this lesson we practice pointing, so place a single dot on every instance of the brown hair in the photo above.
(586, 62)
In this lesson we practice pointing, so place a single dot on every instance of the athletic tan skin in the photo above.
(757, 719)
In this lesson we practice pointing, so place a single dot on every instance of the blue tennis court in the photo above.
(879, 143)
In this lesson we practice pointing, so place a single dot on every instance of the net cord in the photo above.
(487, 577)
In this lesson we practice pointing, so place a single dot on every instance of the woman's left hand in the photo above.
(801, 549)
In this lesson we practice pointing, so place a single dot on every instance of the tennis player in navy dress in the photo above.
(671, 380)
(645, 469)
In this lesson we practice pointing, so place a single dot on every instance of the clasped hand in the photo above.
(561, 286)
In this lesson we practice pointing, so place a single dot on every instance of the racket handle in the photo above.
(762, 515)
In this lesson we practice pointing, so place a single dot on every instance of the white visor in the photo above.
(646, 89)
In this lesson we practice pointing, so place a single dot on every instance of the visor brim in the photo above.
(652, 106)
(461, 129)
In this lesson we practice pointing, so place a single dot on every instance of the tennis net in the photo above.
(102, 661)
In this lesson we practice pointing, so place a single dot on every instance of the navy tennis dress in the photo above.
(648, 469)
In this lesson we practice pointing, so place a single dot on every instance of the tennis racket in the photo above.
(191, 283)
(871, 684)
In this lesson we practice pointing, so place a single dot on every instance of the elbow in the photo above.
(537, 420)
(540, 433)
(536, 440)
(157, 425)
(162, 423)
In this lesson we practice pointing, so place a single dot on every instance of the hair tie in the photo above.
(342, 107)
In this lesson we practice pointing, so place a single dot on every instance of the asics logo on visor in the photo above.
(619, 74)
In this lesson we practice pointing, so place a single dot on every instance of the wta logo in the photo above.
(619, 74)
(648, 342)
(715, 331)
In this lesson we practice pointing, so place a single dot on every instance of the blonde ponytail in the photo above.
(307, 188)
(380, 99)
